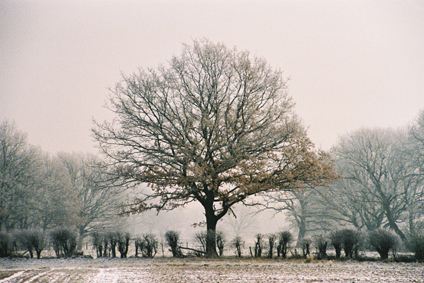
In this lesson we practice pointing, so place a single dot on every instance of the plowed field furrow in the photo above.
(32, 276)
(206, 271)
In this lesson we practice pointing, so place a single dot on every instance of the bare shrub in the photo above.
(382, 241)
(106, 242)
(321, 243)
(271, 243)
(351, 239)
(139, 246)
(237, 244)
(305, 244)
(32, 240)
(337, 242)
(24, 242)
(284, 240)
(123, 242)
(112, 238)
(346, 239)
(6, 245)
(258, 245)
(173, 241)
(99, 242)
(64, 241)
(206, 237)
(220, 242)
(201, 238)
(149, 245)
(416, 245)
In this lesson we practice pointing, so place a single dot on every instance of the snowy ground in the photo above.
(200, 270)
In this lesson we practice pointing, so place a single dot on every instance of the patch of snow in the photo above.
(10, 278)
(164, 270)
(106, 275)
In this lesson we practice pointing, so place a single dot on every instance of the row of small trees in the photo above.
(345, 240)
(63, 241)
(348, 241)
(106, 244)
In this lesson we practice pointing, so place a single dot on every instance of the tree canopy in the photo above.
(381, 184)
(213, 126)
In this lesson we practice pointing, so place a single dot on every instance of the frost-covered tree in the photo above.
(414, 182)
(304, 208)
(19, 178)
(382, 241)
(214, 126)
(55, 206)
(94, 198)
(380, 184)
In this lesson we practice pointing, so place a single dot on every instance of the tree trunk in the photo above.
(384, 253)
(392, 222)
(211, 221)
(81, 238)
(302, 231)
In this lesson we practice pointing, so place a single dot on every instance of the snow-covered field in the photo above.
(201, 270)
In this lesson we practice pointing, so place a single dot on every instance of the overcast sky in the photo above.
(351, 64)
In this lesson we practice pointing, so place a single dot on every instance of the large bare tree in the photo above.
(94, 199)
(19, 180)
(214, 126)
(304, 208)
(414, 165)
(381, 184)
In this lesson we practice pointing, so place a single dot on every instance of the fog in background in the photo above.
(351, 64)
